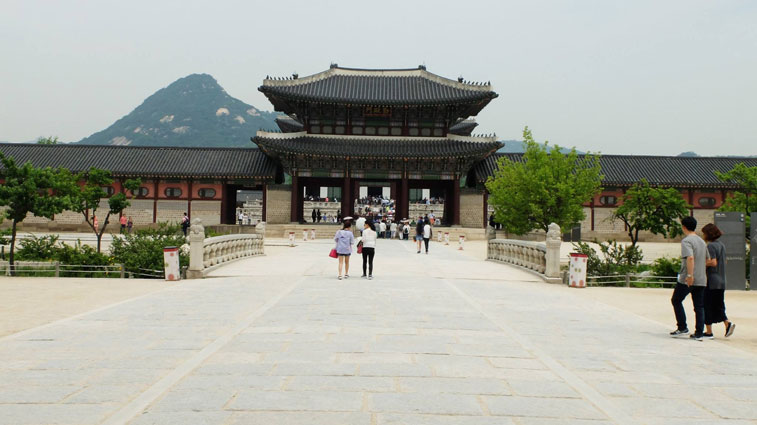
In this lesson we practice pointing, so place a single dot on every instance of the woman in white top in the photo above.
(369, 248)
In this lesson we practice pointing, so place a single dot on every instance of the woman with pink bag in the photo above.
(344, 240)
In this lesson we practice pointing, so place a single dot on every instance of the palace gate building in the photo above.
(344, 133)
(404, 128)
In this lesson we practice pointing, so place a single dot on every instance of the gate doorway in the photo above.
(245, 200)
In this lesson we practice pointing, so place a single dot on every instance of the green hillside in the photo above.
(192, 111)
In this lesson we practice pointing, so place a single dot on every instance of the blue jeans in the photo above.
(680, 293)
(697, 298)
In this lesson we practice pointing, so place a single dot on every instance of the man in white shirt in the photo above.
(426, 234)
(382, 229)
(360, 223)
(393, 229)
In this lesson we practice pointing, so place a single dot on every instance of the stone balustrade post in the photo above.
(554, 240)
(196, 249)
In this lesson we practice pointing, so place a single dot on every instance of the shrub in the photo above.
(666, 267)
(618, 259)
(43, 248)
(73, 259)
(143, 249)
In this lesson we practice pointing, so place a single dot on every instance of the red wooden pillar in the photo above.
(155, 201)
(592, 212)
(404, 207)
(189, 200)
(295, 200)
(456, 201)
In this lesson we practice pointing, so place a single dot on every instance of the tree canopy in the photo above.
(546, 186)
(744, 199)
(654, 209)
(52, 140)
(26, 189)
(86, 200)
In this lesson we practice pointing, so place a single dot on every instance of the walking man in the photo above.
(692, 279)
(426, 234)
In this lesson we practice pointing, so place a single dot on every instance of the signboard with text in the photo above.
(732, 224)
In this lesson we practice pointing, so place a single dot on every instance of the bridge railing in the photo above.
(530, 255)
(205, 254)
(542, 258)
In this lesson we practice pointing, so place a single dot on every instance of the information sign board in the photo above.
(732, 224)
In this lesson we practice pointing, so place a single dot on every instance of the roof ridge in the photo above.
(80, 146)
(687, 158)
(334, 70)
(450, 136)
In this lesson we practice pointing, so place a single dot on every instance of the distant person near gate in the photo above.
(419, 233)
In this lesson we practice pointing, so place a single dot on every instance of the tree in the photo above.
(546, 186)
(26, 189)
(743, 200)
(87, 199)
(654, 209)
(52, 140)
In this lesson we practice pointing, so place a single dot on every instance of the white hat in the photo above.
(346, 218)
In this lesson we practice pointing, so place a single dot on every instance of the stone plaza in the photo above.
(444, 338)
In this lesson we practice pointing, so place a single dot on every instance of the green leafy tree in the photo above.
(654, 209)
(52, 140)
(745, 197)
(143, 250)
(26, 189)
(547, 186)
(87, 199)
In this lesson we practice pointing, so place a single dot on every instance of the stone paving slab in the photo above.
(433, 339)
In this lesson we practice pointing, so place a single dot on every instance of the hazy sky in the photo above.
(632, 77)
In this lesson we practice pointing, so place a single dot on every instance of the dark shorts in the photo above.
(343, 255)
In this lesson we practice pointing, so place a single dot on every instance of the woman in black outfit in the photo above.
(714, 292)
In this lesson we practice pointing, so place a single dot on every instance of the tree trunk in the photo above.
(13, 250)
(99, 240)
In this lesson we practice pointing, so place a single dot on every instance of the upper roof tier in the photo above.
(390, 87)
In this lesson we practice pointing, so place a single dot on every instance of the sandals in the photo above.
(339, 277)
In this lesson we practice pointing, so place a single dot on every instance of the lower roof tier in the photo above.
(626, 170)
(241, 163)
(167, 162)
(334, 146)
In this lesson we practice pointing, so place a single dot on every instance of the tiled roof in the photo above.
(378, 87)
(625, 170)
(375, 146)
(463, 128)
(289, 125)
(147, 161)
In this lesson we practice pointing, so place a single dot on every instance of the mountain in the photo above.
(192, 111)
(688, 154)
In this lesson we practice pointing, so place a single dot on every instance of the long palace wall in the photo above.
(159, 201)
